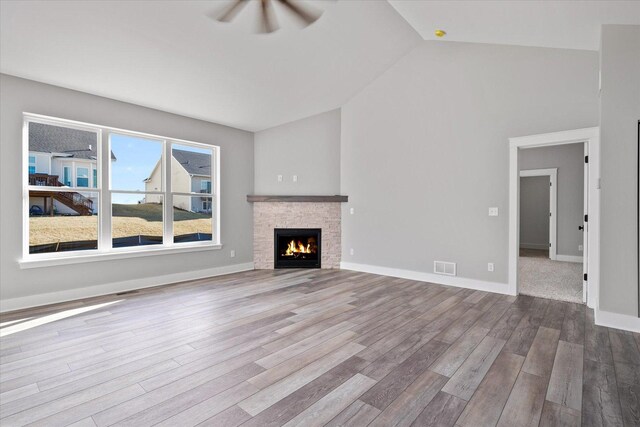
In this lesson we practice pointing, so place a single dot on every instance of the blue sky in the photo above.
(135, 160)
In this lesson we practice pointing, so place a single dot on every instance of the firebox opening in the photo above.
(297, 247)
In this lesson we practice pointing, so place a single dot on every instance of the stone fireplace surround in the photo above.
(270, 212)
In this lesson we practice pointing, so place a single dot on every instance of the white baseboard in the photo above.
(617, 321)
(460, 282)
(534, 246)
(569, 258)
(111, 288)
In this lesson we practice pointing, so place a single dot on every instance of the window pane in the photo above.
(136, 163)
(192, 218)
(136, 219)
(95, 178)
(82, 177)
(205, 186)
(62, 221)
(190, 166)
(50, 147)
(66, 176)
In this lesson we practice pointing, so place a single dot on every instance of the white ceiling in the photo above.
(171, 56)
(571, 24)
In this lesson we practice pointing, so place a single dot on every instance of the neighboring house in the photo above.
(191, 173)
(62, 157)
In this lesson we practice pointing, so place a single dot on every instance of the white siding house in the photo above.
(191, 173)
(62, 157)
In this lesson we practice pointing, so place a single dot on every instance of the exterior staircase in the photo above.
(74, 200)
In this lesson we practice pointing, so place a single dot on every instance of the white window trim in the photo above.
(105, 250)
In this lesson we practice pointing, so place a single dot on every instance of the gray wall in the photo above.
(308, 148)
(569, 159)
(534, 212)
(425, 149)
(19, 95)
(619, 115)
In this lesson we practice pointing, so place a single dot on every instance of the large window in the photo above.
(112, 191)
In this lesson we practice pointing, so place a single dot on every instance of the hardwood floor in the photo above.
(312, 348)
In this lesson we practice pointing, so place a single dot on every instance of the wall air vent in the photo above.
(443, 267)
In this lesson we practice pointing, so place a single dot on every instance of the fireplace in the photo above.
(297, 247)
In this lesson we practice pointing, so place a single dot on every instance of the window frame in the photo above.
(214, 194)
(103, 165)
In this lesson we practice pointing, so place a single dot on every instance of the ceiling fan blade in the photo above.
(269, 22)
(307, 14)
(232, 10)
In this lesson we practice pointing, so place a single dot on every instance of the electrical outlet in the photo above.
(493, 211)
(232, 253)
(351, 251)
(490, 266)
(352, 211)
(580, 248)
(295, 178)
(279, 178)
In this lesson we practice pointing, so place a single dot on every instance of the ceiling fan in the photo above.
(268, 20)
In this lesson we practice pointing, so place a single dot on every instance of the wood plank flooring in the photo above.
(314, 348)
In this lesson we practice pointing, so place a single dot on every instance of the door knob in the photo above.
(580, 227)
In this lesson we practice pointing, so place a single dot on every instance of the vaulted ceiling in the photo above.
(573, 24)
(172, 56)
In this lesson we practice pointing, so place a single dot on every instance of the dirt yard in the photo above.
(128, 220)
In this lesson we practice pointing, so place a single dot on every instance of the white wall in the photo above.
(534, 212)
(569, 160)
(619, 115)
(308, 148)
(425, 150)
(19, 95)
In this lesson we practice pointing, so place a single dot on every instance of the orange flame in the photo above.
(292, 248)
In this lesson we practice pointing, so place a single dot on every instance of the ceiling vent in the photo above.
(443, 267)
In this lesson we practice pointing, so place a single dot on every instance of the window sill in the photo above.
(36, 261)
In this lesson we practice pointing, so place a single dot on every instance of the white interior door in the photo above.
(585, 234)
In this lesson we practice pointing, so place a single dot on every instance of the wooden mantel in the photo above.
(317, 199)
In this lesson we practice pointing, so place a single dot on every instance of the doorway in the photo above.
(538, 206)
(544, 270)
(580, 250)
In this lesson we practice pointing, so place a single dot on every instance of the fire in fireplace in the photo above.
(297, 247)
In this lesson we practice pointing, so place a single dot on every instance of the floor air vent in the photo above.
(442, 267)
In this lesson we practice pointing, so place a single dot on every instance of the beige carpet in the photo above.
(541, 277)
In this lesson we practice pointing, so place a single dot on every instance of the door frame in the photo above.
(552, 173)
(591, 138)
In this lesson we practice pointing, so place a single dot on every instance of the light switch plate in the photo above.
(279, 178)
(493, 211)
(295, 178)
